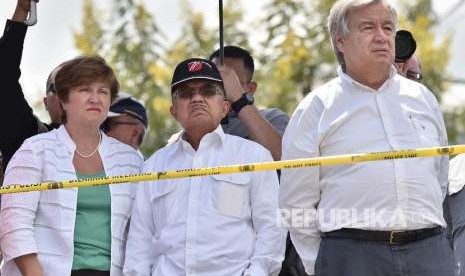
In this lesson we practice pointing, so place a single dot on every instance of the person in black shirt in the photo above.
(19, 121)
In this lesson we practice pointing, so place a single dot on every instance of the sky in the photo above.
(50, 41)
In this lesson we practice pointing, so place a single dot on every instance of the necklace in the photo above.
(93, 152)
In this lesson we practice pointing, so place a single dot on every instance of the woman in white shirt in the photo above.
(70, 231)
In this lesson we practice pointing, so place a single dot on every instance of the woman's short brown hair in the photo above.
(84, 70)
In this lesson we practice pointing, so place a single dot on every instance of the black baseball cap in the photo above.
(195, 68)
(126, 104)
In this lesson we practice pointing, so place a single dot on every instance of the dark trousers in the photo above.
(89, 272)
(345, 257)
(454, 213)
(292, 264)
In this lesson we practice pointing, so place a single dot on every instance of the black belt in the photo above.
(391, 237)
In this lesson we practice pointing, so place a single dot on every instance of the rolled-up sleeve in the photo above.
(18, 210)
(299, 191)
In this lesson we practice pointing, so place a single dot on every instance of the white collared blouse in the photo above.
(43, 222)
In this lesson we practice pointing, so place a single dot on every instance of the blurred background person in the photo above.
(406, 62)
(411, 68)
(126, 121)
(264, 126)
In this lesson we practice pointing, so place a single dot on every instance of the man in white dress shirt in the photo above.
(372, 218)
(212, 225)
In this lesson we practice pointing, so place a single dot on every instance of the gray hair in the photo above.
(338, 24)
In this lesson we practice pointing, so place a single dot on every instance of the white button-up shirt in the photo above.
(211, 225)
(343, 117)
(457, 174)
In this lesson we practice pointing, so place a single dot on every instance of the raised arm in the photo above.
(19, 122)
(259, 129)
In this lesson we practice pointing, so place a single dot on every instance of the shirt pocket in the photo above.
(163, 202)
(230, 195)
(426, 129)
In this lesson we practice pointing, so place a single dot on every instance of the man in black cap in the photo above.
(127, 121)
(211, 225)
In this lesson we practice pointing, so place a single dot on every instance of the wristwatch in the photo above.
(245, 99)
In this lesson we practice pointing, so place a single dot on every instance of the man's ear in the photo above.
(340, 43)
(173, 111)
(134, 134)
(45, 103)
(226, 107)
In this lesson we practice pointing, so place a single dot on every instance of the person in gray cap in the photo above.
(126, 121)
(211, 225)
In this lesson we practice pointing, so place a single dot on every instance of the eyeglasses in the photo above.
(413, 75)
(206, 91)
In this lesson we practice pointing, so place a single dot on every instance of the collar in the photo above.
(348, 79)
(65, 139)
(217, 134)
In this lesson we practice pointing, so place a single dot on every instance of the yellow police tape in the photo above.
(285, 164)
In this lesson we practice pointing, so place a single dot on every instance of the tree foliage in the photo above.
(296, 51)
(131, 42)
(199, 40)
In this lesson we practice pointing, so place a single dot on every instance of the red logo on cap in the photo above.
(194, 66)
